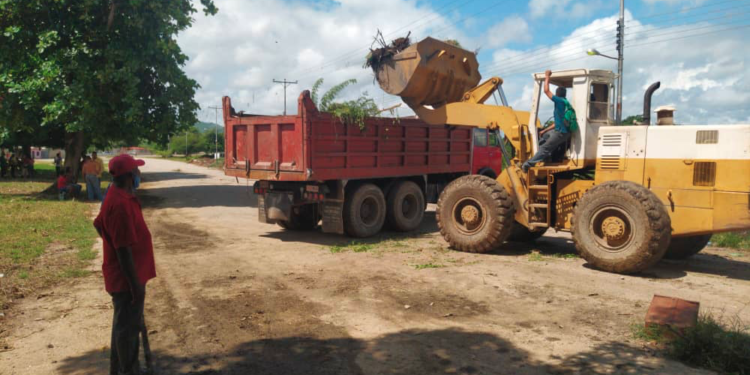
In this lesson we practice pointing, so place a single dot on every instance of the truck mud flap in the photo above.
(262, 217)
(333, 221)
(276, 206)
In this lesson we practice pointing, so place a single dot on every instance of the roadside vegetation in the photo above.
(44, 240)
(733, 240)
(715, 343)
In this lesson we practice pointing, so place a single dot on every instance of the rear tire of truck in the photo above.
(302, 218)
(519, 233)
(685, 247)
(406, 206)
(475, 214)
(364, 211)
(621, 227)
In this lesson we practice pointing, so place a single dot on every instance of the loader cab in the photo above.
(590, 92)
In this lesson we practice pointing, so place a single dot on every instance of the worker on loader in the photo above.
(560, 134)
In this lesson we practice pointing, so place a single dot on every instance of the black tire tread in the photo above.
(685, 247)
(659, 228)
(352, 225)
(503, 205)
(393, 219)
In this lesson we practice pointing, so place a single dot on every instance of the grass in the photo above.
(427, 265)
(354, 246)
(43, 239)
(535, 256)
(734, 240)
(716, 344)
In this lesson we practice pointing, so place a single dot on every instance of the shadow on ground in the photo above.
(410, 352)
(198, 196)
(166, 176)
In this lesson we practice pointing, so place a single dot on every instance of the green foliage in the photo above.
(453, 42)
(535, 256)
(632, 120)
(428, 265)
(734, 240)
(354, 246)
(187, 143)
(351, 112)
(111, 69)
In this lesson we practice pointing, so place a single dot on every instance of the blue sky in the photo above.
(697, 48)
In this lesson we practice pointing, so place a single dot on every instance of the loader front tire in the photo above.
(475, 214)
(364, 211)
(685, 247)
(519, 233)
(406, 205)
(621, 227)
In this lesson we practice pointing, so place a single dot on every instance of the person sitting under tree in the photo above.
(560, 134)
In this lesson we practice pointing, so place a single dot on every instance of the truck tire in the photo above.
(519, 233)
(685, 247)
(364, 211)
(303, 218)
(621, 227)
(406, 205)
(475, 214)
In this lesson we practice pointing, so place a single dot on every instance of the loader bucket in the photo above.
(430, 72)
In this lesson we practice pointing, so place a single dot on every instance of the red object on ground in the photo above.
(315, 146)
(672, 312)
(121, 224)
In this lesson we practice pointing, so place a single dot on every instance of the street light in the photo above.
(594, 52)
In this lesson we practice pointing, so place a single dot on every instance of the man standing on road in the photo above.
(560, 134)
(58, 165)
(128, 262)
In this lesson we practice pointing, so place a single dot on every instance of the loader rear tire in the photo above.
(302, 218)
(621, 227)
(405, 206)
(685, 247)
(475, 214)
(519, 233)
(364, 211)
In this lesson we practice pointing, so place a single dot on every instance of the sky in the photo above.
(698, 49)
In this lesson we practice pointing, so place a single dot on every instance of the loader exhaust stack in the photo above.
(647, 102)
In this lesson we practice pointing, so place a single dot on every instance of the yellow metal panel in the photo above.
(731, 211)
(568, 193)
(691, 221)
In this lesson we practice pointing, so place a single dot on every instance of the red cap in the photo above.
(122, 164)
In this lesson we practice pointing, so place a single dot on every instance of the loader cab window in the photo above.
(480, 137)
(599, 102)
(494, 139)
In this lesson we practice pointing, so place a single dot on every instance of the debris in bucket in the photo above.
(379, 56)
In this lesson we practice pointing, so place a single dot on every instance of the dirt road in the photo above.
(234, 296)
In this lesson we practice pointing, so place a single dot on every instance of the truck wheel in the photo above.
(364, 211)
(685, 247)
(519, 233)
(475, 214)
(621, 227)
(303, 218)
(405, 206)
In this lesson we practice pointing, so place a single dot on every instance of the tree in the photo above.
(98, 72)
(209, 141)
(633, 120)
(187, 143)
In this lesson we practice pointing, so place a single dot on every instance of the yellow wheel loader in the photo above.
(630, 195)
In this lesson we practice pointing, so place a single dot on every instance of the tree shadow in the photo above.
(408, 352)
(166, 176)
(198, 196)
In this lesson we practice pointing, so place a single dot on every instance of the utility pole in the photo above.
(286, 84)
(216, 131)
(620, 57)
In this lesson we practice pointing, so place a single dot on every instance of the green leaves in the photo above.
(352, 112)
(331, 94)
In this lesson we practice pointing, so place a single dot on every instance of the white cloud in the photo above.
(249, 43)
(561, 9)
(510, 29)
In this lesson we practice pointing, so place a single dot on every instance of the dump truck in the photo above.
(312, 169)
(630, 195)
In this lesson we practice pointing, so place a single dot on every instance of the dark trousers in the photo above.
(125, 330)
(58, 171)
(551, 142)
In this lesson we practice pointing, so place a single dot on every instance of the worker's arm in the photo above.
(546, 130)
(546, 84)
(127, 266)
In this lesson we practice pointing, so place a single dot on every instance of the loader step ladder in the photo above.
(540, 201)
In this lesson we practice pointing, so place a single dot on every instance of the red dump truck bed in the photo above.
(314, 146)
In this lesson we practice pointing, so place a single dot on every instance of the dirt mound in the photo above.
(379, 56)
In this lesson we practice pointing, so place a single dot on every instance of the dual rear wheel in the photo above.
(366, 208)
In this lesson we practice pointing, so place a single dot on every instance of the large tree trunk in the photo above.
(73, 152)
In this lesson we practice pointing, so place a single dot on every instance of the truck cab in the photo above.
(487, 157)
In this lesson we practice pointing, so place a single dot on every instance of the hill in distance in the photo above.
(203, 126)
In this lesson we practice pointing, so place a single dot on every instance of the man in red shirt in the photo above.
(128, 261)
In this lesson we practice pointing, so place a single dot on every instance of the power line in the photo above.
(286, 84)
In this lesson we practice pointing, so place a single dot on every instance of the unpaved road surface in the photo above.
(233, 296)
